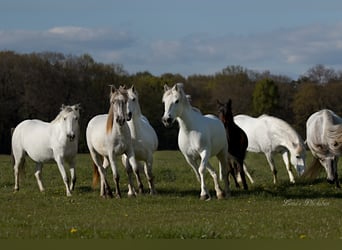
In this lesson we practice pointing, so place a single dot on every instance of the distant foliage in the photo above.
(36, 85)
(265, 97)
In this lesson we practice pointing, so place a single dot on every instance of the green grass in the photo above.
(266, 211)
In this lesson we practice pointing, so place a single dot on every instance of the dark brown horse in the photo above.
(237, 141)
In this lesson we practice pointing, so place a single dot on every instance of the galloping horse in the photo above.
(269, 135)
(144, 138)
(108, 136)
(199, 138)
(237, 142)
(43, 141)
(324, 139)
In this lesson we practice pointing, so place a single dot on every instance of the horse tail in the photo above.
(21, 166)
(96, 176)
(313, 171)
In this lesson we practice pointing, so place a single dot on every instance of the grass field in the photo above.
(266, 211)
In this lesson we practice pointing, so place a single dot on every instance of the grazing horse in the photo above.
(108, 136)
(144, 138)
(199, 138)
(44, 141)
(237, 142)
(324, 139)
(268, 134)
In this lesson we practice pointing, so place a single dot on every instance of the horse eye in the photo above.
(64, 118)
(133, 99)
(177, 101)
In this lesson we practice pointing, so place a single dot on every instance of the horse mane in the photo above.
(110, 119)
(334, 131)
(113, 94)
(64, 110)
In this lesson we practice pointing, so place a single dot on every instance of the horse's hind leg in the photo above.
(241, 171)
(37, 174)
(19, 161)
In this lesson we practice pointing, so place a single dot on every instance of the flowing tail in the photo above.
(312, 172)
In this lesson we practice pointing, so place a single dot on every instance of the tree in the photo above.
(265, 97)
(319, 74)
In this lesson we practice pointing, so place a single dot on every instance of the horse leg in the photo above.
(213, 174)
(247, 173)
(72, 174)
(285, 156)
(194, 165)
(133, 165)
(149, 175)
(60, 164)
(224, 170)
(270, 161)
(242, 174)
(335, 173)
(19, 161)
(234, 173)
(37, 174)
(116, 176)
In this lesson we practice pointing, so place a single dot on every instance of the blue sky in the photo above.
(180, 36)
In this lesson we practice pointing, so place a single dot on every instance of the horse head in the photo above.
(118, 102)
(133, 107)
(225, 111)
(297, 157)
(174, 100)
(69, 115)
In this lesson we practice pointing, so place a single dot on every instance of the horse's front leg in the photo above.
(72, 165)
(133, 165)
(148, 172)
(285, 156)
(116, 176)
(270, 161)
(60, 164)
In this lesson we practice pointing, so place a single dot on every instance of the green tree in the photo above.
(265, 97)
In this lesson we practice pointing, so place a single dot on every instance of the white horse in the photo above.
(199, 138)
(44, 141)
(108, 136)
(269, 135)
(324, 139)
(144, 138)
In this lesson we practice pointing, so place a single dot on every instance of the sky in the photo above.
(180, 36)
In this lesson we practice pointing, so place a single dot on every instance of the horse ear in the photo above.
(166, 88)
(133, 88)
(218, 102)
(179, 86)
(78, 106)
(229, 103)
(63, 106)
(112, 88)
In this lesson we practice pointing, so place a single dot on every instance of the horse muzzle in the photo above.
(71, 137)
(167, 121)
(120, 121)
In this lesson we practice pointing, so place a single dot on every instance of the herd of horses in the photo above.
(126, 132)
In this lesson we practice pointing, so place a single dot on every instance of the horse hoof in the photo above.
(221, 196)
(131, 195)
(205, 197)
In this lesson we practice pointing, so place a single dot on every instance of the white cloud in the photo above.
(284, 50)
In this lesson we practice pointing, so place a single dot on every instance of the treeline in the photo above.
(34, 86)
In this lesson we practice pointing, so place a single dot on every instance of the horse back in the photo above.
(33, 137)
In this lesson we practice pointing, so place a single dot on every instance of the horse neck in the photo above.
(188, 118)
